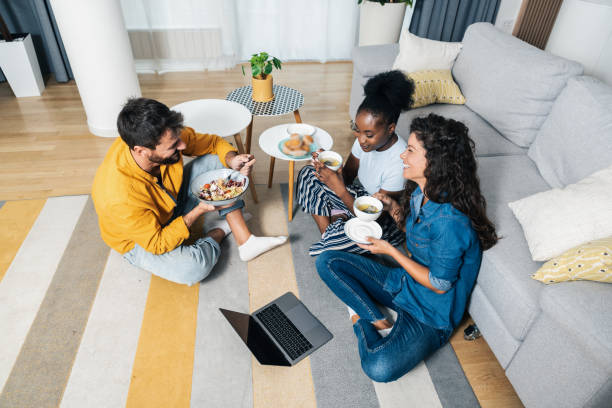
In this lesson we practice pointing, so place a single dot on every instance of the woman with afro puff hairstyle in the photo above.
(442, 214)
(374, 160)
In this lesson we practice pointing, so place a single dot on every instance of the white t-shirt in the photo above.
(381, 170)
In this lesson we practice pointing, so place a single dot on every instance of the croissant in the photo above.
(293, 143)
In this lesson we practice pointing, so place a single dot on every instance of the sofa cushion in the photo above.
(557, 220)
(576, 138)
(591, 261)
(435, 86)
(509, 82)
(370, 60)
(418, 54)
(583, 309)
(488, 141)
(553, 369)
(505, 274)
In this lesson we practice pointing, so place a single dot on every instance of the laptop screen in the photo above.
(256, 339)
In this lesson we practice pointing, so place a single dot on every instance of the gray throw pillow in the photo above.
(508, 82)
(576, 138)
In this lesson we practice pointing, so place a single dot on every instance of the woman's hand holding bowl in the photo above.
(315, 155)
(389, 205)
(377, 246)
(332, 179)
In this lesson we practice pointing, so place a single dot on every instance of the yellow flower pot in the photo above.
(262, 89)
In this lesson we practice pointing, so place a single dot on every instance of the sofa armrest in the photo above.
(372, 59)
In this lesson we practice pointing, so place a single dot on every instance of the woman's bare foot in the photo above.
(382, 324)
(336, 217)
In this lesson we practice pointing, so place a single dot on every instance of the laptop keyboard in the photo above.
(283, 330)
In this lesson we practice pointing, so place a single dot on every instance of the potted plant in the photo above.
(19, 63)
(261, 73)
(380, 21)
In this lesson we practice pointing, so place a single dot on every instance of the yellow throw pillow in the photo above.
(435, 86)
(590, 261)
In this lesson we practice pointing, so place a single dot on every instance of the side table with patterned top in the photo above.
(285, 100)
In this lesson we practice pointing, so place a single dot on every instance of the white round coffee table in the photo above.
(269, 141)
(219, 117)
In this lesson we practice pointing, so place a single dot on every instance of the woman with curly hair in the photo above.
(443, 215)
(374, 160)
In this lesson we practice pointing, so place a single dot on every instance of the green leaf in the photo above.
(242, 70)
(268, 68)
(276, 62)
(256, 70)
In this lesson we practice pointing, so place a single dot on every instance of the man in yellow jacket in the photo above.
(141, 195)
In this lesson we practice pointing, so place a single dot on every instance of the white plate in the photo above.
(358, 230)
(270, 138)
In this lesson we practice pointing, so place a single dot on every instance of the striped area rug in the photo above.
(80, 327)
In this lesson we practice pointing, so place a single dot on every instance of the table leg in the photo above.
(291, 163)
(298, 118)
(249, 133)
(240, 146)
(271, 172)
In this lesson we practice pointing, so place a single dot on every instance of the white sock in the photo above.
(385, 332)
(255, 246)
(222, 224)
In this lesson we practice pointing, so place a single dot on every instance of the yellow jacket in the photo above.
(133, 209)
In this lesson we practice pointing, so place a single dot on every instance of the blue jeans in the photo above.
(359, 282)
(186, 264)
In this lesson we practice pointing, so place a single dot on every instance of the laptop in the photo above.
(281, 333)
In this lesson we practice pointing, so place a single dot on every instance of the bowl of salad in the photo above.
(219, 187)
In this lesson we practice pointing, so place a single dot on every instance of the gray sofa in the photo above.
(538, 123)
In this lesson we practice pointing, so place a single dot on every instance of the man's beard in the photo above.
(169, 160)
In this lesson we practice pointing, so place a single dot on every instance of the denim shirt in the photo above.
(441, 238)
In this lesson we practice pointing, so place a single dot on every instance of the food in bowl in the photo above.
(221, 189)
(368, 209)
(330, 162)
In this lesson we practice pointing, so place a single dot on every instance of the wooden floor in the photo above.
(46, 150)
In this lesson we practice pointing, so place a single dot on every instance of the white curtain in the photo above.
(191, 35)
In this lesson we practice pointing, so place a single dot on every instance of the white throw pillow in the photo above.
(559, 219)
(418, 54)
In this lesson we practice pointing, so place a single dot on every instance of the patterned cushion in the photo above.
(590, 261)
(435, 86)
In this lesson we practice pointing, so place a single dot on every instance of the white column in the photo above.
(100, 56)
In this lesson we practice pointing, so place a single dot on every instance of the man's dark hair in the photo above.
(142, 122)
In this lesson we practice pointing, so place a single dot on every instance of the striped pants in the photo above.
(316, 198)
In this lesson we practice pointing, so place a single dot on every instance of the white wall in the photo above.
(507, 14)
(583, 32)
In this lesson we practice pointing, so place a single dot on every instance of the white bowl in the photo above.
(301, 129)
(209, 176)
(367, 200)
(330, 155)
